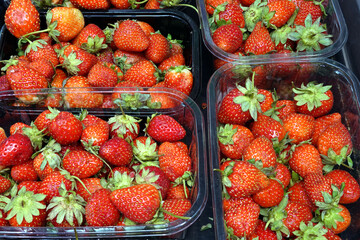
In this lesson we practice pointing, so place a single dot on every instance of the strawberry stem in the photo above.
(174, 215)
(79, 180)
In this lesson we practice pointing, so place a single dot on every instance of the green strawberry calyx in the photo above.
(117, 181)
(67, 206)
(124, 122)
(225, 134)
(251, 99)
(35, 135)
(311, 231)
(311, 36)
(50, 155)
(332, 159)
(147, 177)
(145, 152)
(71, 63)
(94, 44)
(24, 205)
(254, 14)
(312, 95)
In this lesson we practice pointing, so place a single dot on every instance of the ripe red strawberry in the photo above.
(31, 214)
(5, 184)
(313, 99)
(210, 5)
(129, 36)
(164, 128)
(261, 149)
(104, 75)
(242, 219)
(263, 233)
(231, 12)
(178, 207)
(51, 184)
(315, 184)
(285, 108)
(229, 203)
(85, 98)
(117, 151)
(70, 21)
(24, 172)
(154, 175)
(106, 55)
(77, 61)
(100, 211)
(146, 27)
(165, 99)
(351, 192)
(283, 11)
(47, 160)
(18, 128)
(153, 4)
(124, 126)
(91, 38)
(341, 226)
(233, 139)
(306, 8)
(300, 127)
(70, 147)
(91, 184)
(125, 59)
(244, 178)
(42, 122)
(65, 128)
(282, 174)
(297, 193)
(158, 49)
(267, 127)
(21, 17)
(91, 5)
(173, 160)
(172, 61)
(179, 78)
(322, 123)
(306, 159)
(142, 73)
(15, 150)
(335, 137)
(228, 37)
(82, 164)
(271, 195)
(96, 134)
(122, 4)
(44, 51)
(178, 192)
(22, 78)
(259, 42)
(30, 185)
(138, 203)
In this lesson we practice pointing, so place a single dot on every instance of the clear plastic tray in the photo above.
(335, 24)
(346, 89)
(185, 112)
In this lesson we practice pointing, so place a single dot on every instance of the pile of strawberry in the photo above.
(249, 27)
(129, 53)
(282, 163)
(65, 170)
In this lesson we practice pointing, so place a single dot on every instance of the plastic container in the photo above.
(334, 21)
(173, 22)
(346, 89)
(187, 113)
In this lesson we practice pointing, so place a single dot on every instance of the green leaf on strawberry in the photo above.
(311, 94)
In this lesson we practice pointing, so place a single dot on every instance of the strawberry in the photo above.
(5, 184)
(335, 137)
(91, 38)
(125, 59)
(313, 99)
(138, 203)
(91, 5)
(179, 78)
(18, 127)
(24, 172)
(130, 37)
(315, 184)
(176, 46)
(116, 151)
(146, 27)
(31, 214)
(261, 149)
(242, 219)
(300, 127)
(84, 98)
(30, 185)
(143, 73)
(164, 128)
(104, 75)
(297, 193)
(96, 134)
(228, 37)
(210, 5)
(230, 12)
(285, 108)
(158, 49)
(91, 184)
(82, 164)
(270, 196)
(106, 55)
(77, 61)
(306, 159)
(244, 178)
(282, 174)
(283, 11)
(121, 4)
(322, 123)
(154, 175)
(124, 126)
(178, 192)
(21, 17)
(229, 203)
(42, 122)
(351, 192)
(344, 223)
(51, 183)
(67, 210)
(233, 139)
(305, 8)
(145, 148)
(153, 4)
(259, 42)
(48, 160)
(65, 128)
(44, 51)
(178, 207)
(26, 78)
(267, 127)
(164, 99)
(100, 211)
(70, 21)
(15, 150)
(173, 160)
(263, 233)
(172, 61)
